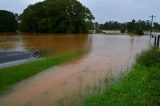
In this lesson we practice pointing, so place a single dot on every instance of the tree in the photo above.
(8, 22)
(64, 16)
(156, 26)
(111, 25)
(136, 27)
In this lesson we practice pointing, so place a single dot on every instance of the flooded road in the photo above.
(107, 54)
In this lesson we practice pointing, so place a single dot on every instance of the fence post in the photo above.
(155, 41)
(158, 39)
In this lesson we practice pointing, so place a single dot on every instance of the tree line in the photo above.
(64, 16)
(57, 16)
(135, 27)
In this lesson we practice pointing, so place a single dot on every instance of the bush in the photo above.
(139, 31)
(149, 58)
(123, 30)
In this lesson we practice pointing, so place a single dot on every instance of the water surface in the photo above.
(50, 44)
(107, 54)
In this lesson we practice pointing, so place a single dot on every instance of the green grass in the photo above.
(140, 87)
(12, 75)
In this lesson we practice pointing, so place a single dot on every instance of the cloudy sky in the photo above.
(103, 10)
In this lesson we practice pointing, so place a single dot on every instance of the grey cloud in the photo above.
(16, 6)
(103, 10)
(123, 10)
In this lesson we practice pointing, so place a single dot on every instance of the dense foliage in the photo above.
(8, 22)
(65, 16)
(136, 27)
(111, 25)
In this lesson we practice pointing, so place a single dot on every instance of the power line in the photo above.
(151, 29)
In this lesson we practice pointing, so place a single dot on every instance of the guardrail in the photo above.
(156, 40)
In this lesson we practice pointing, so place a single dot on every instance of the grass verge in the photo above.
(140, 87)
(12, 75)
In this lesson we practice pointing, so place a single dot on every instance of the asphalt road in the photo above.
(14, 56)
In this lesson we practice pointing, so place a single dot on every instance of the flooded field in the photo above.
(107, 54)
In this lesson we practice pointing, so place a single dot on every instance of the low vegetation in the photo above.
(140, 87)
(12, 75)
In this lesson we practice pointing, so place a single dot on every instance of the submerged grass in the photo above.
(140, 87)
(14, 74)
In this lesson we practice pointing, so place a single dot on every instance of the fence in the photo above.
(156, 40)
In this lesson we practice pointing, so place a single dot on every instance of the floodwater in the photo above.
(106, 54)
(49, 44)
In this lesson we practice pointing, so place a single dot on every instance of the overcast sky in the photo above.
(103, 10)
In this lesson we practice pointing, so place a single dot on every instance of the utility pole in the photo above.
(151, 29)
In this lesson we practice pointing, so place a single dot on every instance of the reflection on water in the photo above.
(50, 44)
(107, 54)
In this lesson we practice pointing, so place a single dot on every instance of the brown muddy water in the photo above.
(107, 54)
(49, 44)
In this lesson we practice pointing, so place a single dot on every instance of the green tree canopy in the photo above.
(65, 16)
(8, 22)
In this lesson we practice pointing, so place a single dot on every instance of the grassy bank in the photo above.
(140, 87)
(12, 75)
